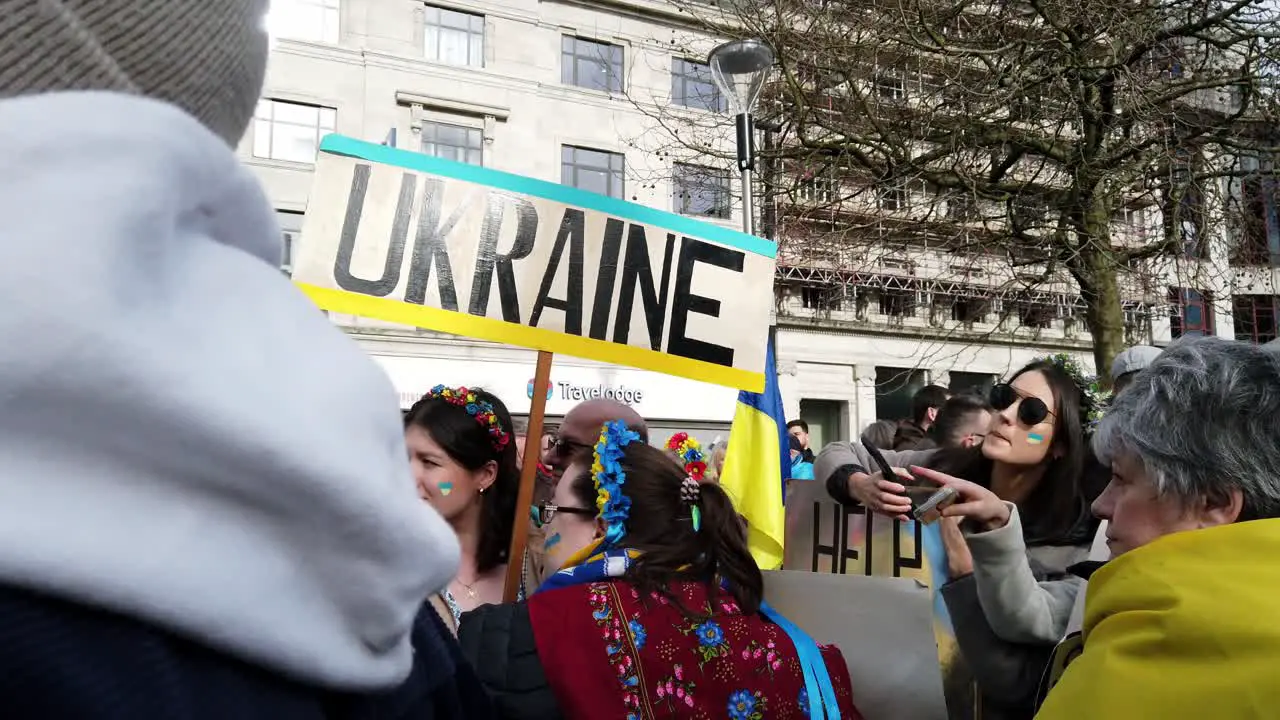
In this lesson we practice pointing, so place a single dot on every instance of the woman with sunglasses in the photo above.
(1009, 595)
(655, 607)
(463, 457)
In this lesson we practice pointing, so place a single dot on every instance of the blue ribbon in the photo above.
(817, 681)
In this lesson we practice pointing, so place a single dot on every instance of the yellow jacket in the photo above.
(1184, 627)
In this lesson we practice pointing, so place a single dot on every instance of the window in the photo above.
(817, 187)
(1256, 317)
(590, 64)
(958, 27)
(1191, 218)
(825, 419)
(971, 382)
(291, 229)
(595, 171)
(893, 199)
(1133, 222)
(1137, 323)
(1184, 202)
(961, 207)
(967, 310)
(819, 297)
(890, 85)
(452, 142)
(692, 86)
(1259, 242)
(315, 20)
(701, 191)
(895, 388)
(1035, 316)
(1027, 211)
(1026, 104)
(455, 38)
(897, 303)
(290, 131)
(1167, 59)
(1191, 314)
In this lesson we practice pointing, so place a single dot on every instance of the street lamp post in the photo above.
(739, 69)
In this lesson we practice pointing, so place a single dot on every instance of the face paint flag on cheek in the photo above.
(1034, 438)
(551, 542)
(446, 488)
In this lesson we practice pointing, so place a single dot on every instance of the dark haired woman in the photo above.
(656, 609)
(464, 463)
(1010, 595)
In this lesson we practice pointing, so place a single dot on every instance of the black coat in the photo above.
(71, 662)
(498, 641)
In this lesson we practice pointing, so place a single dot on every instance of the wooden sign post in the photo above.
(528, 477)
(476, 252)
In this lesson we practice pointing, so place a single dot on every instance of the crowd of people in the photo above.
(1052, 481)
(210, 507)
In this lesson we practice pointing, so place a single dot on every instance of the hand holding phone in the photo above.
(930, 510)
(976, 504)
(887, 496)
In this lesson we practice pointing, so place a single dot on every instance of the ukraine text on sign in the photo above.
(589, 275)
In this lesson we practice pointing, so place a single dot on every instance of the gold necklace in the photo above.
(471, 592)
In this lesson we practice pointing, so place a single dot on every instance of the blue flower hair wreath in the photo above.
(606, 468)
(481, 410)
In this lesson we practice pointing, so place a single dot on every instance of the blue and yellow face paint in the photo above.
(1035, 439)
(551, 541)
(445, 488)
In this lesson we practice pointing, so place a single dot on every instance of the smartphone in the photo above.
(930, 510)
(883, 465)
(875, 455)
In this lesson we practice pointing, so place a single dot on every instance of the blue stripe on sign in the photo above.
(343, 145)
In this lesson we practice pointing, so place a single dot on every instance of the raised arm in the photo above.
(1018, 607)
(851, 476)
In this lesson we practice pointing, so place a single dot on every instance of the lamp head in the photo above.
(739, 69)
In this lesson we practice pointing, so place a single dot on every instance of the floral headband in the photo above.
(606, 468)
(695, 468)
(479, 409)
(1092, 399)
(690, 453)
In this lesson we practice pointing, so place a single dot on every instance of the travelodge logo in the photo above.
(578, 393)
(529, 389)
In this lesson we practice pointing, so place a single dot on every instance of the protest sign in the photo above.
(882, 628)
(825, 537)
(472, 251)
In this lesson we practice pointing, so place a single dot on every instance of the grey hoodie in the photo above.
(184, 437)
(1018, 607)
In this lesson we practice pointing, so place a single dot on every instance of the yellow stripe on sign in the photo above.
(483, 328)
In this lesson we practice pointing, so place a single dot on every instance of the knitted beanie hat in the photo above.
(207, 57)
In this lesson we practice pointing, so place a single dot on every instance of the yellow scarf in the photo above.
(1184, 627)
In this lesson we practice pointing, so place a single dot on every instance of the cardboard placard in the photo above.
(467, 250)
(823, 537)
(882, 627)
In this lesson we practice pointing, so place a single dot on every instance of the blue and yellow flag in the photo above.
(757, 464)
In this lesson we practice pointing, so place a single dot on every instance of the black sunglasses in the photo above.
(541, 514)
(1031, 410)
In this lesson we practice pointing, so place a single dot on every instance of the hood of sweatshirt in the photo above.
(1180, 628)
(184, 437)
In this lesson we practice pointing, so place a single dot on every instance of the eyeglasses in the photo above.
(560, 446)
(541, 514)
(1031, 410)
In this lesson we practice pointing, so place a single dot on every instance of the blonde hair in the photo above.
(716, 466)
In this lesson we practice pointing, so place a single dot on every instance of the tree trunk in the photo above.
(1103, 311)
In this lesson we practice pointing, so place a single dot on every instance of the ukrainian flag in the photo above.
(757, 464)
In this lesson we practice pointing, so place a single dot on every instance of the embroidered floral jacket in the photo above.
(607, 651)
